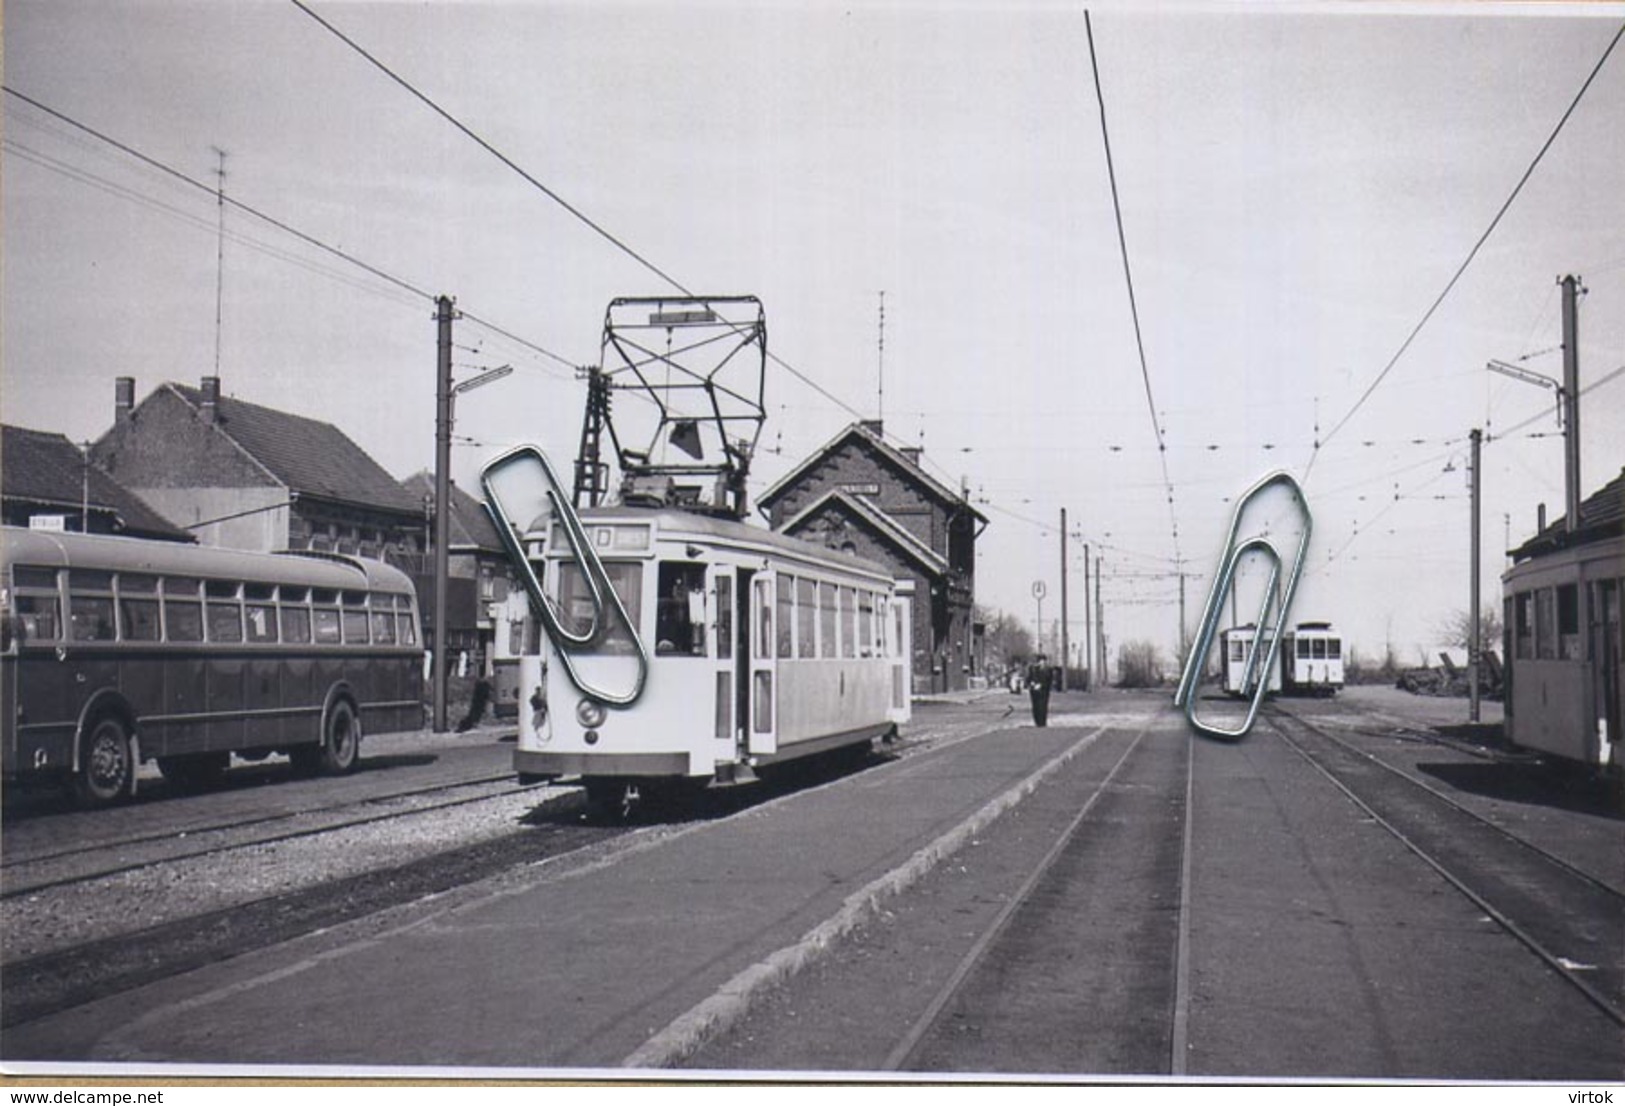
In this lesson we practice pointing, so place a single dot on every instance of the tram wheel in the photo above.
(338, 750)
(106, 764)
(194, 771)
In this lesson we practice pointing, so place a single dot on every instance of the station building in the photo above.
(862, 494)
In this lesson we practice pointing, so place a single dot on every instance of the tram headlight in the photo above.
(590, 713)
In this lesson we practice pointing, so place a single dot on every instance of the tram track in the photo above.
(1018, 985)
(1566, 917)
(127, 855)
(41, 985)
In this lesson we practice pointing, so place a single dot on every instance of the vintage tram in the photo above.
(683, 649)
(1565, 643)
(1309, 662)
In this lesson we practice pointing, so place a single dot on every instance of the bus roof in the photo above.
(68, 550)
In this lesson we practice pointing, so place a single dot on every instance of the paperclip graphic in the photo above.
(521, 484)
(1275, 598)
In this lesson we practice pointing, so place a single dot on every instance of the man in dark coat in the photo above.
(1039, 678)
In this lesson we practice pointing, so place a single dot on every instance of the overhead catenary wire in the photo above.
(592, 224)
(270, 220)
(1128, 277)
(1472, 254)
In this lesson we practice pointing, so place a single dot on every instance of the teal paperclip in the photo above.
(1223, 579)
(524, 475)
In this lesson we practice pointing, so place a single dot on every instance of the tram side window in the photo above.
(807, 618)
(786, 604)
(680, 609)
(225, 613)
(183, 614)
(1319, 645)
(1568, 622)
(848, 606)
(1524, 625)
(1545, 625)
(1334, 648)
(866, 623)
(725, 621)
(827, 598)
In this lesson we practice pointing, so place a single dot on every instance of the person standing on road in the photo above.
(1039, 678)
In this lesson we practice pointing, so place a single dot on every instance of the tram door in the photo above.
(1607, 664)
(761, 719)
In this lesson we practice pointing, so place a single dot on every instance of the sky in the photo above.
(1297, 185)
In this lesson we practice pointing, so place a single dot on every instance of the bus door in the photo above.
(761, 720)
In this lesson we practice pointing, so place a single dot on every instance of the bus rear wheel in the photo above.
(339, 748)
(106, 764)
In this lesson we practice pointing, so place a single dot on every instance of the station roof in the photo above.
(1601, 516)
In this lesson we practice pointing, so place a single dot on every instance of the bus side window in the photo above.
(91, 617)
(383, 620)
(37, 617)
(327, 625)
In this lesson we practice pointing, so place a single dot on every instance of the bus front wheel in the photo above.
(339, 748)
(106, 764)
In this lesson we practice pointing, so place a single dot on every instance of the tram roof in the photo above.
(673, 524)
(68, 550)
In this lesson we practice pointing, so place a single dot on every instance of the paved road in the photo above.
(1101, 896)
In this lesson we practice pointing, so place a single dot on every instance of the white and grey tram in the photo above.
(1309, 662)
(1311, 659)
(683, 649)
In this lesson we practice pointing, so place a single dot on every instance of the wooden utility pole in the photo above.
(1066, 654)
(1473, 470)
(1571, 402)
(442, 506)
(1088, 636)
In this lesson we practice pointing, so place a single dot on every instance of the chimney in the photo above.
(123, 399)
(1540, 518)
(912, 452)
(210, 405)
(873, 426)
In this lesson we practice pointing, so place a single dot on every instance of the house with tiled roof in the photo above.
(47, 481)
(240, 475)
(480, 579)
(860, 493)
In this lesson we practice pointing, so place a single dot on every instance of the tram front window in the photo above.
(575, 601)
(680, 610)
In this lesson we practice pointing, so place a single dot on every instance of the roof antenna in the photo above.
(219, 250)
(880, 413)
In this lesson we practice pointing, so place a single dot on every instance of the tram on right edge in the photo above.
(1564, 637)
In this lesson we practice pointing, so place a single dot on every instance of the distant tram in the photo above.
(1564, 643)
(1310, 660)
(765, 648)
(114, 651)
